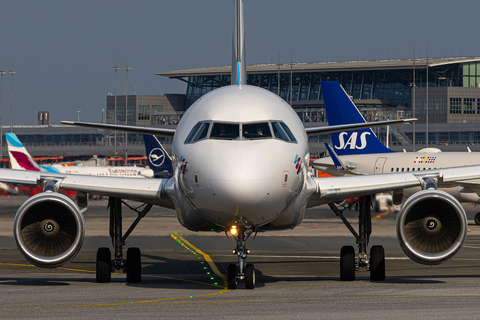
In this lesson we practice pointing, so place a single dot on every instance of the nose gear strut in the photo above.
(240, 232)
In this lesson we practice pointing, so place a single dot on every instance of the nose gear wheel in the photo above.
(243, 271)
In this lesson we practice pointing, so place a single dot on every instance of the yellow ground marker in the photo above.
(209, 260)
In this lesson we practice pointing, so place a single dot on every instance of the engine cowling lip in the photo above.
(420, 256)
(51, 261)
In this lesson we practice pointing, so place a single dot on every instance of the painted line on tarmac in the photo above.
(118, 273)
(207, 258)
(119, 303)
(471, 246)
(336, 298)
(306, 257)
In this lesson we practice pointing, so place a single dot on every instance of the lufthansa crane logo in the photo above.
(352, 141)
(157, 157)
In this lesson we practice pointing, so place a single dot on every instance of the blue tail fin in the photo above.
(341, 110)
(158, 159)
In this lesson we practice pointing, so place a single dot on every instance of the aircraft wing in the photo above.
(142, 190)
(333, 189)
(345, 127)
(166, 132)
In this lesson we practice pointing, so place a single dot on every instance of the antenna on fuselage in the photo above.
(239, 69)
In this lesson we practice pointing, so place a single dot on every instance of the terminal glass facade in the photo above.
(393, 86)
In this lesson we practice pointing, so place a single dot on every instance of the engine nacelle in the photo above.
(49, 229)
(431, 227)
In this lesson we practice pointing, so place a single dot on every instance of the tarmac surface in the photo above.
(183, 274)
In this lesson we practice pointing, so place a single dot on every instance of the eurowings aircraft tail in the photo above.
(20, 159)
(341, 110)
(158, 159)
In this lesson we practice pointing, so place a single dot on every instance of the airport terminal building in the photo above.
(380, 89)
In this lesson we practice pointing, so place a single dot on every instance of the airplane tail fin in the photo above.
(158, 159)
(239, 67)
(20, 159)
(341, 110)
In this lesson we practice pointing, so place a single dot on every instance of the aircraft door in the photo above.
(379, 165)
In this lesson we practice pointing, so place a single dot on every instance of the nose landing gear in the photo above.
(243, 271)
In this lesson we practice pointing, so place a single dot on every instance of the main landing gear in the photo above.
(132, 266)
(477, 218)
(375, 263)
(243, 271)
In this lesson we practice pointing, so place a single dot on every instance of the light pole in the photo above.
(78, 115)
(427, 107)
(1, 109)
(413, 100)
(115, 110)
(126, 109)
(11, 99)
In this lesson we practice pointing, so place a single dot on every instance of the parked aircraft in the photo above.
(158, 160)
(240, 157)
(361, 152)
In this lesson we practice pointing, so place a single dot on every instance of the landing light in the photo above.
(233, 230)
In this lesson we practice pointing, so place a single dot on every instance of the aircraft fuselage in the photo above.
(223, 179)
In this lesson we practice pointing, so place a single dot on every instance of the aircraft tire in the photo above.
(347, 263)
(232, 276)
(377, 263)
(477, 218)
(103, 274)
(249, 276)
(134, 265)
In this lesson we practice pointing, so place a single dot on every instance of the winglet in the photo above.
(158, 159)
(337, 161)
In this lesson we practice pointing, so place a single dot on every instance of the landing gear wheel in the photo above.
(249, 276)
(232, 276)
(104, 257)
(377, 263)
(347, 263)
(477, 218)
(134, 265)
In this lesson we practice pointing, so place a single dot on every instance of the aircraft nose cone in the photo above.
(241, 181)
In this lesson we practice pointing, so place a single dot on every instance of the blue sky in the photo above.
(64, 51)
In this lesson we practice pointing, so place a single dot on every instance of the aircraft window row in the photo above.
(408, 169)
(245, 131)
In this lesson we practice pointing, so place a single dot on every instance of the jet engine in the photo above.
(49, 229)
(431, 227)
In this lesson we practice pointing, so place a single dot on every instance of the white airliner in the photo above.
(157, 157)
(240, 157)
(361, 152)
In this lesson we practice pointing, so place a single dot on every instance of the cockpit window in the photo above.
(225, 131)
(288, 132)
(202, 133)
(249, 131)
(256, 131)
(193, 132)
(278, 131)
